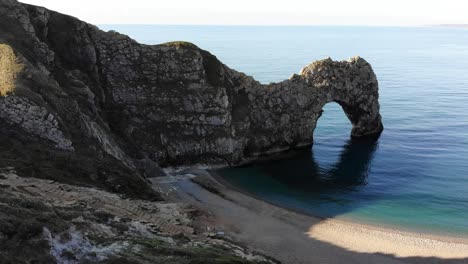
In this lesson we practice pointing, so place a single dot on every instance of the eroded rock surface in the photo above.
(90, 108)
(42, 221)
(83, 92)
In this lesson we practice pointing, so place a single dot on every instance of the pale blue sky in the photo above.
(261, 12)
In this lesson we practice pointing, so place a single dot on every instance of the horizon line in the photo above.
(284, 25)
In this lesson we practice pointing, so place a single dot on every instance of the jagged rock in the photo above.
(173, 103)
(43, 221)
(87, 107)
(33, 119)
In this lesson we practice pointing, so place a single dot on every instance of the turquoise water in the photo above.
(415, 176)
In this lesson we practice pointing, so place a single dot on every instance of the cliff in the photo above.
(90, 108)
(98, 105)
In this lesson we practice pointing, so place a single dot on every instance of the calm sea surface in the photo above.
(415, 176)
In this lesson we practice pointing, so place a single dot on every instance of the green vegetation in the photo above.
(180, 44)
(9, 68)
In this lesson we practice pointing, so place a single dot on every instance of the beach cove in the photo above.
(230, 144)
(413, 177)
(292, 237)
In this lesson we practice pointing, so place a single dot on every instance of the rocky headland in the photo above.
(94, 109)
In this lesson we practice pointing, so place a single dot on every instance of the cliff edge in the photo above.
(81, 104)
(88, 116)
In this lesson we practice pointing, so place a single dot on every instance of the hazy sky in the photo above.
(262, 12)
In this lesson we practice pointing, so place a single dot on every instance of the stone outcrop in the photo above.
(46, 222)
(85, 107)
(83, 92)
(33, 119)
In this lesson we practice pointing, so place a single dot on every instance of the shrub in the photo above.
(9, 68)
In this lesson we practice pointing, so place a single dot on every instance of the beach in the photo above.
(291, 237)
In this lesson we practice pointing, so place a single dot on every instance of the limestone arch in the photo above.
(354, 87)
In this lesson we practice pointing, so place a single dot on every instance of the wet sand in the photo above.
(292, 237)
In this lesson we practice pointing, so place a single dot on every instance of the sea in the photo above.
(414, 177)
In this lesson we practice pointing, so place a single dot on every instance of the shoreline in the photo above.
(382, 228)
(294, 237)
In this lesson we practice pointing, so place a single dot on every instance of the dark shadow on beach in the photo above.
(302, 173)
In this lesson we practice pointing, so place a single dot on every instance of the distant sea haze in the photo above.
(454, 25)
(415, 176)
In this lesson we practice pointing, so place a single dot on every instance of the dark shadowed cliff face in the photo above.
(86, 107)
(87, 98)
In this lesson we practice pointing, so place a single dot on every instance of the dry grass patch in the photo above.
(9, 68)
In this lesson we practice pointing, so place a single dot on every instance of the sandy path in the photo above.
(295, 238)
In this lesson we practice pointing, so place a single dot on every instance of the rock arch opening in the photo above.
(330, 135)
(362, 120)
(332, 123)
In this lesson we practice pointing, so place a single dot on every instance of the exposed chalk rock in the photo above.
(33, 119)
